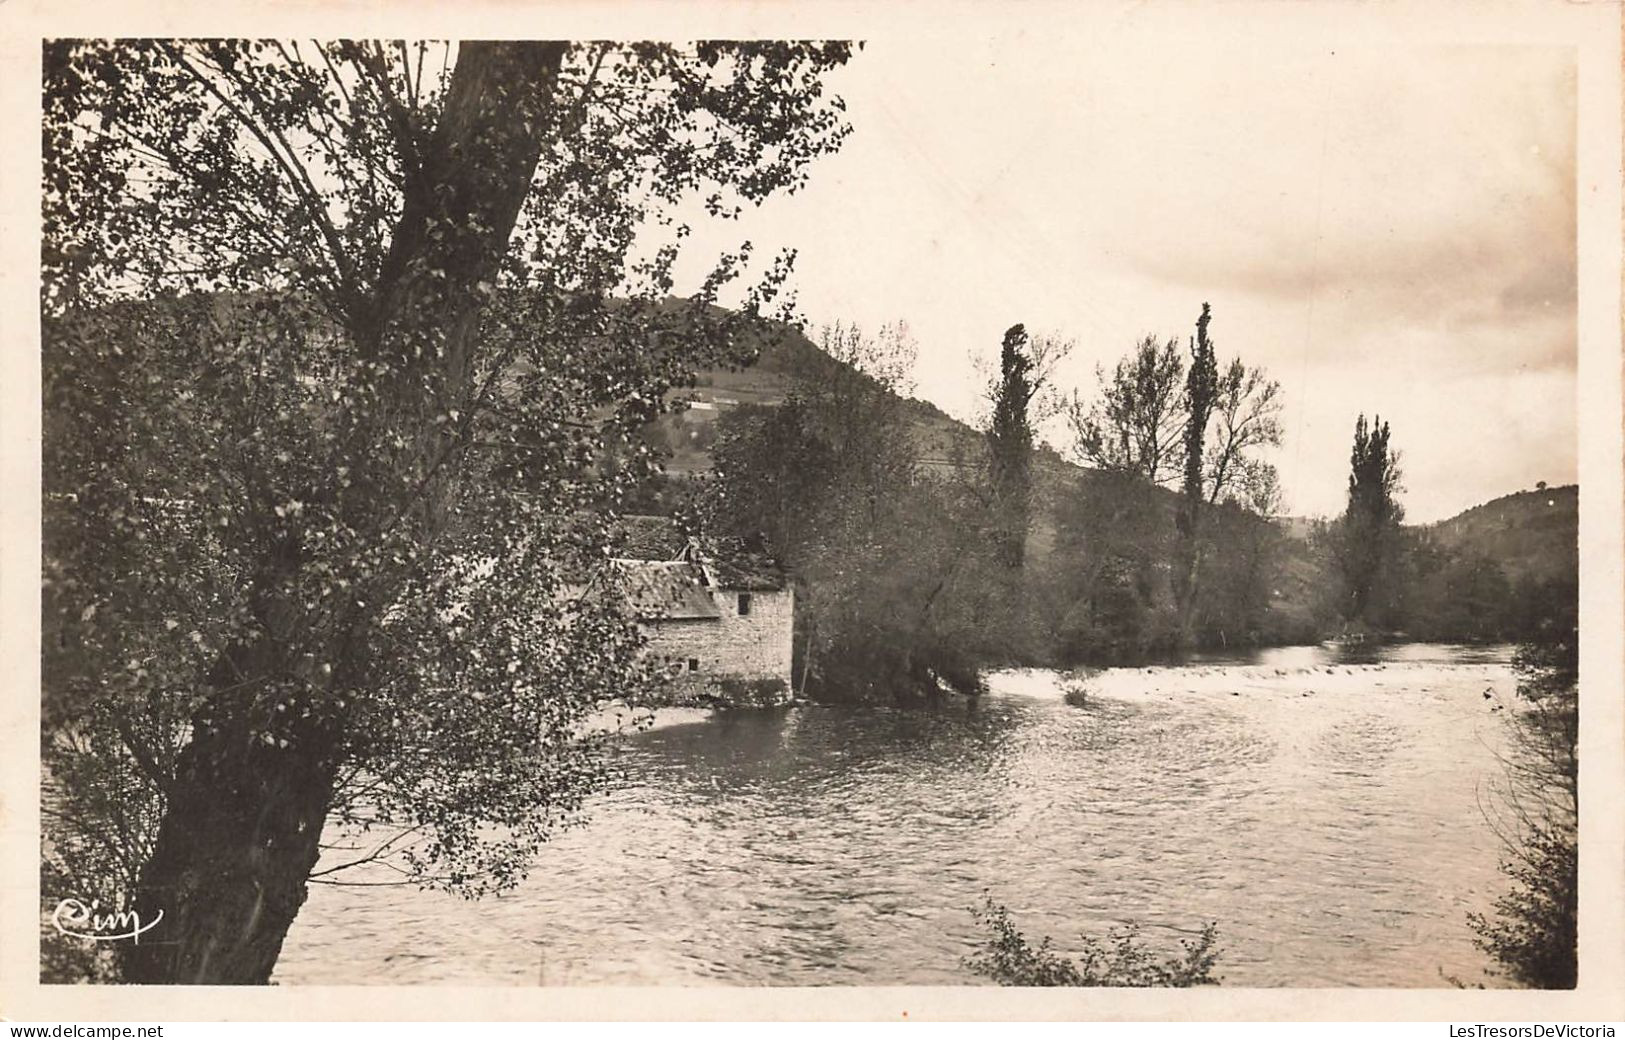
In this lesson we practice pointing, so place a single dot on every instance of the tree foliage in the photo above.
(898, 591)
(1111, 597)
(1533, 933)
(343, 342)
(1247, 421)
(1367, 545)
(1201, 427)
(1019, 400)
(1010, 444)
(1136, 423)
(1201, 391)
(1158, 423)
(1456, 596)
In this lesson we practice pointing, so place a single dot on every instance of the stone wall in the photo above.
(737, 656)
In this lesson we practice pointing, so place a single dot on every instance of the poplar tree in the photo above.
(1368, 536)
(1201, 391)
(1010, 447)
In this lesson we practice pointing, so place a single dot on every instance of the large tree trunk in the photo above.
(246, 807)
(228, 875)
(1187, 580)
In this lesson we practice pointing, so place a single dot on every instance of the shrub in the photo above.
(1009, 960)
(1075, 687)
(1533, 933)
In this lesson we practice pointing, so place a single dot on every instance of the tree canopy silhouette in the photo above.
(1369, 537)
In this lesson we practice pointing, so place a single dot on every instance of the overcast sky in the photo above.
(1389, 231)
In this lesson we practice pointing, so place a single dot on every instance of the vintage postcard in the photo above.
(1040, 511)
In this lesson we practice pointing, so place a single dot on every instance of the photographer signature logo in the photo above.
(73, 917)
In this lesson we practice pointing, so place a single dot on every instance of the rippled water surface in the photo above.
(1326, 811)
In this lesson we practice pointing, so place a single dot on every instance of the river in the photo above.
(1326, 810)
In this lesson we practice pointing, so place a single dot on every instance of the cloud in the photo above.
(1385, 230)
(1443, 198)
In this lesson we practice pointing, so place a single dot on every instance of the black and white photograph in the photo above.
(1077, 497)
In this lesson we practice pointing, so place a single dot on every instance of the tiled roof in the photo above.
(732, 562)
(671, 589)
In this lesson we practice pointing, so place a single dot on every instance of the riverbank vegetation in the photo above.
(915, 574)
(1532, 934)
(1122, 959)
(926, 551)
(901, 578)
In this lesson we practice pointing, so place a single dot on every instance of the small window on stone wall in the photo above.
(693, 664)
(744, 603)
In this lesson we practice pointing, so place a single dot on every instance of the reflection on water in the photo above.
(1324, 812)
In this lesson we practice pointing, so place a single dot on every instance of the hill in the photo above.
(1065, 492)
(688, 435)
(1531, 534)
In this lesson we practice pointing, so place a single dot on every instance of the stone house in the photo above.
(720, 614)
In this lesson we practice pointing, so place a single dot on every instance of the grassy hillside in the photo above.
(942, 440)
(1533, 534)
(689, 434)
